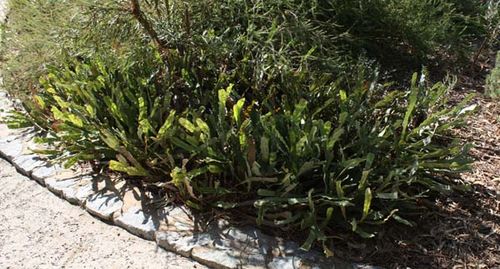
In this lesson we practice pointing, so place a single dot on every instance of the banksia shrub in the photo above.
(260, 107)
(356, 161)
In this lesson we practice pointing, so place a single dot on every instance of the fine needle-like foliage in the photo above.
(493, 80)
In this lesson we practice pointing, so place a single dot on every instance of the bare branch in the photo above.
(141, 18)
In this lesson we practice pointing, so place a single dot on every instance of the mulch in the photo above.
(458, 231)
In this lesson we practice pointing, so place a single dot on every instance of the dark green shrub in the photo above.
(417, 30)
(393, 32)
(268, 43)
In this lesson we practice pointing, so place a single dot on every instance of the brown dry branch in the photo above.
(149, 29)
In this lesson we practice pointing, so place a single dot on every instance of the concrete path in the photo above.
(40, 230)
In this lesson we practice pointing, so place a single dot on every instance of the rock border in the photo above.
(219, 246)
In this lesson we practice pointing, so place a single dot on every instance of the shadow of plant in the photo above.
(460, 231)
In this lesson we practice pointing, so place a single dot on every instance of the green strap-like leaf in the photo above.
(167, 125)
(188, 125)
(412, 102)
(367, 203)
(237, 110)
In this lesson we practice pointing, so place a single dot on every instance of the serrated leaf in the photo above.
(237, 110)
(299, 110)
(90, 110)
(110, 140)
(388, 195)
(412, 102)
(58, 115)
(39, 100)
(223, 95)
(167, 125)
(264, 149)
(203, 126)
(125, 168)
(188, 125)
(334, 138)
(62, 104)
(401, 220)
(343, 95)
(117, 166)
(77, 121)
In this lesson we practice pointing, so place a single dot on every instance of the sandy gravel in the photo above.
(40, 230)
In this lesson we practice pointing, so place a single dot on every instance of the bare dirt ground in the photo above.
(40, 230)
(461, 230)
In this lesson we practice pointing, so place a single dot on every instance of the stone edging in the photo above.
(173, 228)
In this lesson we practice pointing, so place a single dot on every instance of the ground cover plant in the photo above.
(260, 107)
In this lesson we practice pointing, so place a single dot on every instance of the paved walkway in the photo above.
(40, 230)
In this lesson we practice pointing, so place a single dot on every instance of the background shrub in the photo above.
(43, 33)
(493, 80)
(268, 43)
(418, 31)
(34, 37)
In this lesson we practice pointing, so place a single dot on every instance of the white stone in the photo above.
(78, 193)
(221, 255)
(11, 149)
(217, 258)
(5, 132)
(285, 263)
(234, 248)
(7, 137)
(182, 242)
(103, 205)
(248, 237)
(41, 173)
(135, 221)
(27, 163)
(57, 185)
(309, 260)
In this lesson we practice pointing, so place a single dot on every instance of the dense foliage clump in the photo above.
(265, 107)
